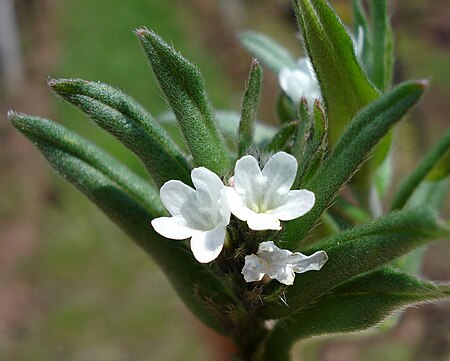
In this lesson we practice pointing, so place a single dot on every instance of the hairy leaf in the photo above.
(103, 186)
(356, 305)
(359, 138)
(382, 45)
(129, 122)
(184, 89)
(249, 108)
(407, 187)
(43, 130)
(343, 83)
(357, 251)
(360, 22)
(281, 140)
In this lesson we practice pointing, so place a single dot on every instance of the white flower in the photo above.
(301, 81)
(280, 264)
(201, 214)
(263, 198)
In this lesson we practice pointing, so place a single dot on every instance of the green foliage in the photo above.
(129, 122)
(249, 108)
(359, 250)
(360, 22)
(183, 87)
(382, 45)
(364, 131)
(353, 306)
(81, 164)
(42, 130)
(343, 83)
(313, 146)
(281, 140)
(268, 51)
(285, 109)
(351, 292)
(407, 187)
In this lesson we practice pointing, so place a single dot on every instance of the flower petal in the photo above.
(294, 83)
(280, 172)
(301, 263)
(175, 194)
(284, 275)
(262, 221)
(294, 204)
(254, 268)
(236, 204)
(206, 246)
(172, 227)
(247, 177)
(207, 184)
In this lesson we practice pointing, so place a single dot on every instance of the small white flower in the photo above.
(280, 264)
(263, 198)
(301, 81)
(202, 214)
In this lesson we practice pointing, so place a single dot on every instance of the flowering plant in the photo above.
(250, 208)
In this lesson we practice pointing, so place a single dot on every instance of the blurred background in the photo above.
(73, 287)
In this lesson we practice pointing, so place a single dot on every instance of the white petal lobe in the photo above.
(206, 246)
(280, 264)
(280, 172)
(171, 227)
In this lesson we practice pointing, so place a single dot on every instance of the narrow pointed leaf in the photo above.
(315, 145)
(303, 125)
(281, 140)
(249, 108)
(360, 250)
(129, 122)
(43, 130)
(382, 45)
(101, 184)
(407, 187)
(359, 138)
(184, 89)
(268, 51)
(356, 305)
(285, 109)
(343, 83)
(360, 22)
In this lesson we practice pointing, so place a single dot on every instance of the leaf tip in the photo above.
(423, 83)
(141, 32)
(255, 63)
(11, 114)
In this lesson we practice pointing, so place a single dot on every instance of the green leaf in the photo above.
(356, 305)
(269, 52)
(359, 138)
(343, 83)
(249, 108)
(302, 130)
(285, 109)
(315, 144)
(183, 86)
(360, 22)
(281, 140)
(429, 194)
(407, 187)
(43, 130)
(129, 122)
(359, 250)
(102, 184)
(442, 168)
(382, 45)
